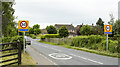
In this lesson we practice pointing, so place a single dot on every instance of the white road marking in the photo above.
(56, 49)
(87, 59)
(48, 59)
(58, 56)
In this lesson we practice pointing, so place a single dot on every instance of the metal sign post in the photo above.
(23, 27)
(107, 30)
(24, 42)
(107, 42)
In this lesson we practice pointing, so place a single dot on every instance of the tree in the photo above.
(116, 27)
(31, 31)
(100, 23)
(8, 25)
(37, 31)
(63, 31)
(97, 30)
(86, 30)
(51, 29)
(36, 26)
(111, 22)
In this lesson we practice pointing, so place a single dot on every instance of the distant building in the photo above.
(78, 28)
(70, 28)
(44, 31)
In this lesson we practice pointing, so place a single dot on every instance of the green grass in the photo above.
(105, 53)
(26, 59)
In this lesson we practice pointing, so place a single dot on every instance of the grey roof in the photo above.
(69, 26)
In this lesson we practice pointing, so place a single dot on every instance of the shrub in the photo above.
(50, 36)
(13, 39)
(87, 41)
(33, 36)
(96, 42)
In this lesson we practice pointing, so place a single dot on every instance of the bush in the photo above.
(33, 36)
(96, 42)
(50, 36)
(13, 39)
(87, 41)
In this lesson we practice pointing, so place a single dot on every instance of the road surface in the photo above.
(64, 56)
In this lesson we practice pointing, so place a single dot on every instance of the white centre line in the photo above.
(87, 59)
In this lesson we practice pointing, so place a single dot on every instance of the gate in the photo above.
(13, 48)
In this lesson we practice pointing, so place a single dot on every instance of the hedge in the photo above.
(95, 42)
(12, 39)
(50, 36)
(32, 36)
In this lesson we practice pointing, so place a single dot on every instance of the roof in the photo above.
(69, 26)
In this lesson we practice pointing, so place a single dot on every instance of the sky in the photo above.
(76, 12)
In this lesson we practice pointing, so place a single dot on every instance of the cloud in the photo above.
(46, 12)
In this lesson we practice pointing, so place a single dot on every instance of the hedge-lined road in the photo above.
(64, 56)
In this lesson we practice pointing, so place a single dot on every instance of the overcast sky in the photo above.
(76, 12)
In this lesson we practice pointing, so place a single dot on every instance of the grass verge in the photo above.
(105, 53)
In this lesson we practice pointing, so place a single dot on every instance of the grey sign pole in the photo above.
(107, 43)
(24, 42)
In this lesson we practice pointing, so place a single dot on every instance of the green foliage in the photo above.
(50, 36)
(100, 22)
(87, 41)
(31, 31)
(95, 42)
(8, 25)
(51, 29)
(97, 30)
(111, 22)
(115, 37)
(12, 39)
(37, 31)
(86, 30)
(116, 27)
(33, 36)
(63, 31)
(36, 26)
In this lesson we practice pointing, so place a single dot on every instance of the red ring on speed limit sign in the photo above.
(109, 28)
(23, 25)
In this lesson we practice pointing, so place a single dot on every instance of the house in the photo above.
(70, 28)
(44, 31)
(78, 27)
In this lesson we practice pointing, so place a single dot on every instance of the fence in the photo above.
(59, 40)
(12, 48)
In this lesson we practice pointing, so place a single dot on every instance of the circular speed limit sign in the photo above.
(108, 28)
(23, 24)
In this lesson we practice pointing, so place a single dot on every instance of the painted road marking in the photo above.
(87, 59)
(48, 59)
(60, 56)
(56, 49)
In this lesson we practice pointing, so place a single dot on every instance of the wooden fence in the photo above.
(9, 49)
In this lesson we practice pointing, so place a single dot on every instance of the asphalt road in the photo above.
(64, 56)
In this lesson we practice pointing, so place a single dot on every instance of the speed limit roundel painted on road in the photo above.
(108, 29)
(23, 26)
